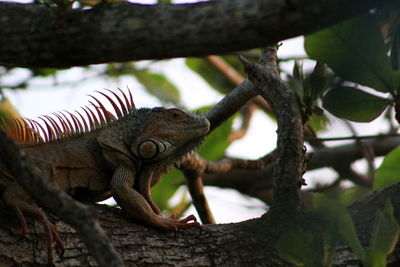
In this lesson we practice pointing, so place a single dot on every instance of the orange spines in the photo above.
(116, 109)
(62, 125)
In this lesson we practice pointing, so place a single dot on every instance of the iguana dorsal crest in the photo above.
(64, 125)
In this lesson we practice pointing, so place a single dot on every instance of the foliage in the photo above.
(315, 246)
(215, 79)
(389, 171)
(384, 237)
(308, 88)
(159, 86)
(308, 252)
(355, 51)
(156, 84)
(354, 104)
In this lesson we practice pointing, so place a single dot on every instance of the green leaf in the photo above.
(213, 77)
(354, 193)
(346, 196)
(217, 142)
(318, 122)
(159, 86)
(388, 172)
(355, 50)
(384, 237)
(336, 212)
(301, 248)
(331, 237)
(354, 104)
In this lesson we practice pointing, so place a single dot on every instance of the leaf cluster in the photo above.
(355, 50)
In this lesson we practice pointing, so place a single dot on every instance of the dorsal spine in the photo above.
(64, 124)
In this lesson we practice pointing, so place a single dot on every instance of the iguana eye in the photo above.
(148, 149)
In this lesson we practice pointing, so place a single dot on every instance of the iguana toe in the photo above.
(171, 224)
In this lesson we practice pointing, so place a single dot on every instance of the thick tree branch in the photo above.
(241, 244)
(38, 36)
(81, 217)
(287, 177)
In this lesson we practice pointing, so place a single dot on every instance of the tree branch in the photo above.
(124, 31)
(230, 104)
(258, 183)
(247, 243)
(290, 155)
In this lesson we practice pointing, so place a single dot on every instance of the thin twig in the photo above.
(195, 167)
(367, 151)
(230, 73)
(246, 115)
(360, 137)
(343, 168)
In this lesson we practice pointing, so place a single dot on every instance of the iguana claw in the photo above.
(22, 206)
(171, 224)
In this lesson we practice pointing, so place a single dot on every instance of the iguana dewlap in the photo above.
(98, 156)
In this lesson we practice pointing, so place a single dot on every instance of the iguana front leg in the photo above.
(136, 206)
(144, 187)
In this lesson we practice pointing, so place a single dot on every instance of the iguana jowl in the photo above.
(100, 156)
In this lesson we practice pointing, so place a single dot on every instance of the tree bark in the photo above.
(249, 243)
(39, 36)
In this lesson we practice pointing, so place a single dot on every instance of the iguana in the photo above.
(95, 156)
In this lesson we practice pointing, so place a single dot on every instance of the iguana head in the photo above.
(167, 134)
(153, 138)
(163, 136)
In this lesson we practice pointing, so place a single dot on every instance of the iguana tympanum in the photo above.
(98, 156)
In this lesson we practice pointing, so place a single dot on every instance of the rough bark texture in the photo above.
(290, 156)
(38, 36)
(249, 243)
(141, 245)
(230, 104)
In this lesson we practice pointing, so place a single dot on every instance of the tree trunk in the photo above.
(47, 37)
(249, 243)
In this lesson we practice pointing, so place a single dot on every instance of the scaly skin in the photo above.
(122, 159)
